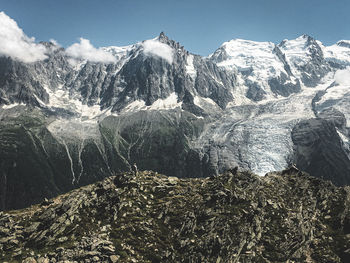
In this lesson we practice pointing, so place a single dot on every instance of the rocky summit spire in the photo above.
(163, 38)
(166, 40)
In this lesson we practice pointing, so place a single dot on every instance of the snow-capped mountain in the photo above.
(73, 117)
(261, 67)
(338, 55)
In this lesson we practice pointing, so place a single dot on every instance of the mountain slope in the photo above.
(153, 218)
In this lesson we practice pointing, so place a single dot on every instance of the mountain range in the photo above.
(78, 115)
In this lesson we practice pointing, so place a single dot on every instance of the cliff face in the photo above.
(234, 217)
(318, 149)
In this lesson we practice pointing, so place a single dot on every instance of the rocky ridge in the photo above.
(285, 216)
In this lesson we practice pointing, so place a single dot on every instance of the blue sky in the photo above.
(201, 26)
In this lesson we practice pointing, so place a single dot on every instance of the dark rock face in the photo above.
(282, 58)
(35, 163)
(93, 82)
(151, 78)
(343, 44)
(254, 92)
(24, 82)
(283, 85)
(334, 116)
(135, 77)
(234, 217)
(160, 142)
(18, 89)
(207, 86)
(318, 150)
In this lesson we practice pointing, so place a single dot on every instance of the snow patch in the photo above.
(200, 100)
(160, 104)
(168, 103)
(205, 103)
(136, 105)
(190, 70)
(60, 98)
(118, 52)
(153, 47)
(345, 143)
(344, 139)
(5, 107)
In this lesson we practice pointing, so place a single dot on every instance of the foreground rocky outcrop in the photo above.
(234, 217)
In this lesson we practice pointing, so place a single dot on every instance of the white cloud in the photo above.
(342, 77)
(84, 50)
(14, 43)
(54, 41)
(154, 47)
(55, 45)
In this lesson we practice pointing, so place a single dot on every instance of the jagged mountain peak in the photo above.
(300, 43)
(47, 44)
(307, 37)
(163, 38)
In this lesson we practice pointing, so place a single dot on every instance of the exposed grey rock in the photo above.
(283, 85)
(318, 149)
(334, 116)
(283, 216)
(114, 258)
(30, 260)
(43, 260)
(254, 92)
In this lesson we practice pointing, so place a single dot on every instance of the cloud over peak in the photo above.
(14, 43)
(156, 48)
(342, 77)
(17, 45)
(86, 51)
